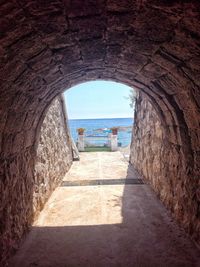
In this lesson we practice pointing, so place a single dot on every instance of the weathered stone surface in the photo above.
(161, 163)
(48, 46)
(53, 155)
(16, 211)
(29, 177)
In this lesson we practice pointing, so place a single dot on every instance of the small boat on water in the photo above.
(103, 130)
(120, 128)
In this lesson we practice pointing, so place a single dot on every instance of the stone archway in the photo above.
(48, 46)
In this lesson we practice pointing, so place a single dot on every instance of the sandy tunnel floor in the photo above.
(105, 225)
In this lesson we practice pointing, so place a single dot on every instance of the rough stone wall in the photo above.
(161, 163)
(31, 176)
(147, 141)
(53, 156)
(16, 198)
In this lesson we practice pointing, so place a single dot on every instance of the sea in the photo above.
(96, 127)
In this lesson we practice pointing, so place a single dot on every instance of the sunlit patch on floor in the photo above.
(83, 205)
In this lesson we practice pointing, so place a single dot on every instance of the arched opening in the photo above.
(54, 147)
(98, 107)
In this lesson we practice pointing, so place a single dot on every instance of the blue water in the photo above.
(91, 125)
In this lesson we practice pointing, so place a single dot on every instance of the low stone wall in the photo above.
(161, 163)
(54, 154)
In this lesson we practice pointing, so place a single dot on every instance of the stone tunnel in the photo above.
(46, 47)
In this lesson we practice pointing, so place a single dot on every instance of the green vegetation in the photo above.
(132, 98)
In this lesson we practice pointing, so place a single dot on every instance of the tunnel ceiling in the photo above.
(48, 46)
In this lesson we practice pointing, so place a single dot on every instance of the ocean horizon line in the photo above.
(103, 118)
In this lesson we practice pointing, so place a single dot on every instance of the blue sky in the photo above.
(98, 99)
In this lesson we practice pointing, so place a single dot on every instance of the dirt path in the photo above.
(113, 224)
